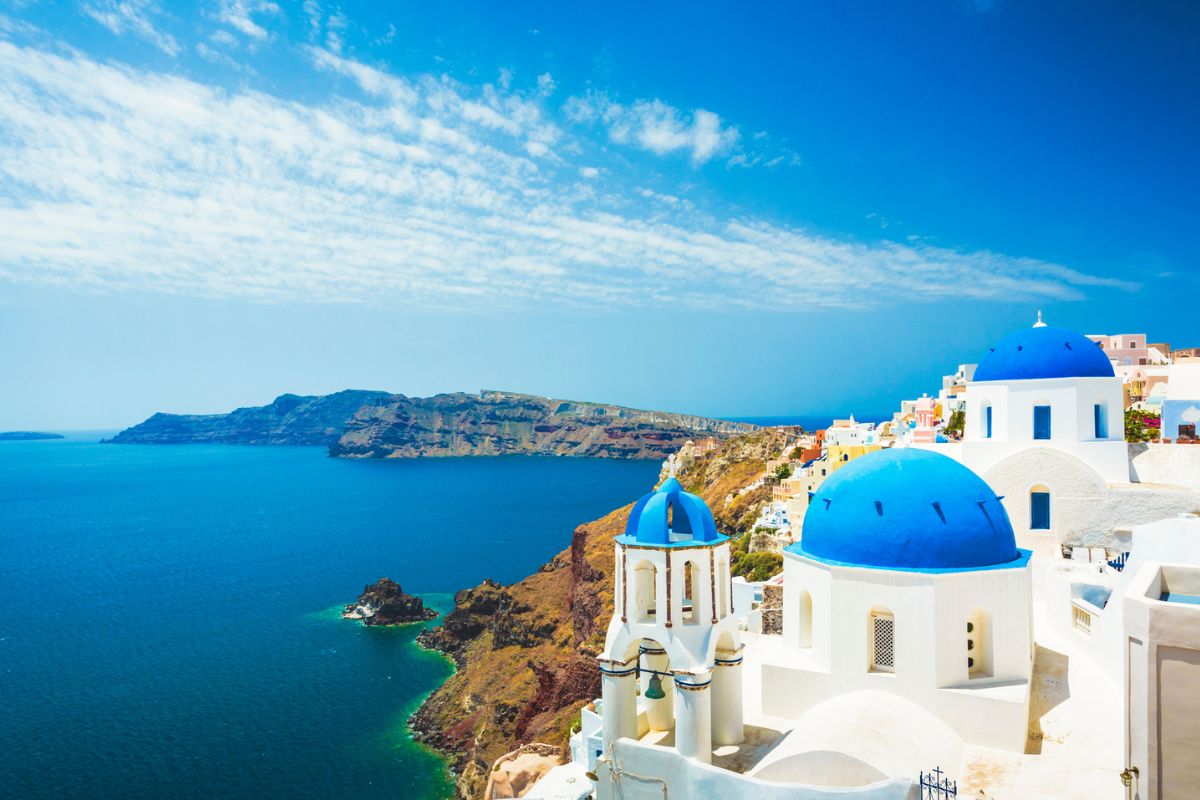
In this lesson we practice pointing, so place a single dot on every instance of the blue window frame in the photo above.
(1101, 420)
(1041, 422)
(1039, 511)
(987, 417)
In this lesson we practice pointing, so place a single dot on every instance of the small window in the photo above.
(883, 642)
(987, 422)
(1100, 418)
(1039, 511)
(1041, 422)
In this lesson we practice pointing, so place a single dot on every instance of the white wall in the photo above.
(1072, 423)
(1163, 654)
(636, 771)
(1169, 464)
(931, 612)
(1174, 540)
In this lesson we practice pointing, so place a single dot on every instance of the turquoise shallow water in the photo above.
(169, 628)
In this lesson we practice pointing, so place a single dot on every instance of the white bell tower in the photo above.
(672, 658)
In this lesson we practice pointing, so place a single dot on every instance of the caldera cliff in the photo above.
(506, 423)
(526, 653)
(363, 424)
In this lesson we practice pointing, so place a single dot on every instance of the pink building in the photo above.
(923, 416)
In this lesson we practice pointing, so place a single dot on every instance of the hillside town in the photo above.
(993, 594)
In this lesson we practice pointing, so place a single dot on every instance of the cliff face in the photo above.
(360, 424)
(291, 419)
(499, 423)
(526, 652)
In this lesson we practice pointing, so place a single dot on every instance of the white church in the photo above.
(934, 640)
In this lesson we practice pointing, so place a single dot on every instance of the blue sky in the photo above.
(733, 209)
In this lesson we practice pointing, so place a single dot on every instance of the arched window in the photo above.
(645, 592)
(987, 421)
(691, 593)
(804, 618)
(723, 588)
(1039, 508)
(882, 641)
(979, 644)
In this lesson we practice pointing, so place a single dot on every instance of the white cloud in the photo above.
(132, 16)
(423, 194)
(546, 84)
(655, 126)
(239, 14)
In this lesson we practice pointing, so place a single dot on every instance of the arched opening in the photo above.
(987, 421)
(655, 685)
(979, 644)
(1039, 508)
(691, 593)
(645, 586)
(723, 588)
(881, 632)
(804, 619)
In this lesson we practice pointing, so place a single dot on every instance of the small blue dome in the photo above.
(689, 518)
(907, 509)
(1044, 352)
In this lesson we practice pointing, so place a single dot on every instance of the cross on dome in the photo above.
(1039, 323)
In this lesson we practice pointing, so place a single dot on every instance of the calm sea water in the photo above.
(169, 614)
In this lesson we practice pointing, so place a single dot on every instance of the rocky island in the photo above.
(361, 424)
(290, 419)
(27, 436)
(385, 603)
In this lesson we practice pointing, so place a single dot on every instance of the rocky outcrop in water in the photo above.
(526, 653)
(290, 419)
(27, 436)
(504, 423)
(385, 603)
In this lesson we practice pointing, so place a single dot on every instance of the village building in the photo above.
(921, 632)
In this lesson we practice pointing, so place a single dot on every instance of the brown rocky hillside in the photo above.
(526, 652)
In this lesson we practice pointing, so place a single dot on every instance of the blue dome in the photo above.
(907, 509)
(690, 520)
(1044, 352)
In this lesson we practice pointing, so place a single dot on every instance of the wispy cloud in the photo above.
(655, 126)
(239, 14)
(405, 193)
(132, 16)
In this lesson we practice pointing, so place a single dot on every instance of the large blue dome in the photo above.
(1044, 352)
(669, 515)
(907, 509)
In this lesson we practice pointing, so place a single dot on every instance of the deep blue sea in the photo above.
(169, 614)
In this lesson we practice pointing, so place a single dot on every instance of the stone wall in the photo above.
(772, 609)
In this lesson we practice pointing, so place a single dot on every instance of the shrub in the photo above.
(1142, 426)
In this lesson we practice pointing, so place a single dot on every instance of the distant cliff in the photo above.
(501, 423)
(291, 419)
(27, 436)
(526, 653)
